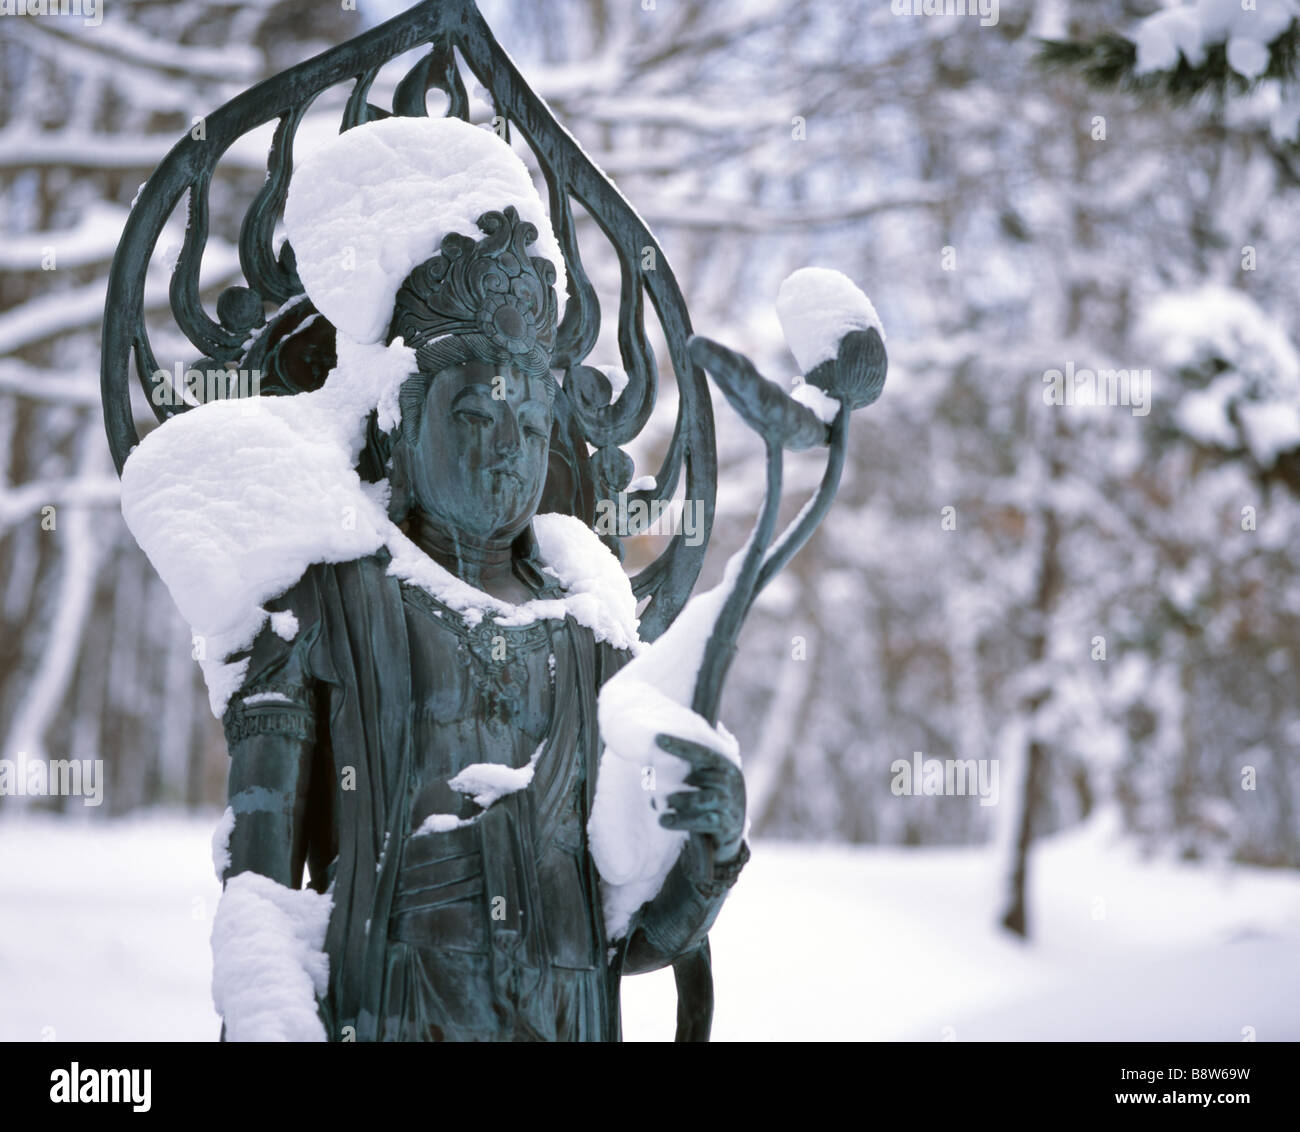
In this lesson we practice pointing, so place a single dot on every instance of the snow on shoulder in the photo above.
(233, 500)
(597, 594)
(376, 201)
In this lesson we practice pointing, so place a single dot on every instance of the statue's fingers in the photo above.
(709, 822)
(711, 777)
(695, 801)
(697, 754)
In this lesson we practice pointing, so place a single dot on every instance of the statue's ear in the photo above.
(383, 456)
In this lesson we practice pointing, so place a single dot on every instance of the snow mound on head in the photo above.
(371, 205)
(818, 306)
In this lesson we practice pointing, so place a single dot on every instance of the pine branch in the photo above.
(1109, 62)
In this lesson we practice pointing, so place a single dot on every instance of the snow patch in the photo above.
(221, 842)
(598, 594)
(284, 625)
(818, 400)
(817, 307)
(441, 823)
(1187, 30)
(233, 500)
(268, 966)
(648, 696)
(366, 208)
(489, 782)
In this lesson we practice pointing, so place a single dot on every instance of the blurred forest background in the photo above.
(1109, 608)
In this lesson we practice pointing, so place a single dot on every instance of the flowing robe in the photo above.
(486, 924)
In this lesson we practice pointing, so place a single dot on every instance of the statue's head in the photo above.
(474, 438)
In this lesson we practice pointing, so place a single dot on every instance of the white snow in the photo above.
(597, 592)
(1271, 429)
(488, 782)
(284, 625)
(1212, 320)
(441, 823)
(816, 399)
(1184, 951)
(650, 695)
(221, 842)
(233, 500)
(817, 307)
(1160, 39)
(1220, 325)
(268, 962)
(373, 203)
(1203, 414)
(266, 698)
(1190, 28)
(1247, 56)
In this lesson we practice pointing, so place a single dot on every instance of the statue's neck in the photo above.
(485, 564)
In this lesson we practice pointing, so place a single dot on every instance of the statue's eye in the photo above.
(474, 416)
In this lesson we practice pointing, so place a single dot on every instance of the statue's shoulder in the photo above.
(346, 583)
(597, 592)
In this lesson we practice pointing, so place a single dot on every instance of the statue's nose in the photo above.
(507, 435)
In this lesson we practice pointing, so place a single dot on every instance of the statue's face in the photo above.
(479, 466)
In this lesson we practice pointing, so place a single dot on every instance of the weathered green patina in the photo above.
(451, 920)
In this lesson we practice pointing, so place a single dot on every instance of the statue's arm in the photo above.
(712, 812)
(271, 735)
(269, 783)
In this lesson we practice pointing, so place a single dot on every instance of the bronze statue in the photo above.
(416, 705)
(490, 929)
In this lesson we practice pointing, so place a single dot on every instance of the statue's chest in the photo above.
(480, 693)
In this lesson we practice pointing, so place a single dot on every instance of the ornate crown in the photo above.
(496, 302)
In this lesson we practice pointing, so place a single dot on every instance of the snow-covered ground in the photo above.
(105, 936)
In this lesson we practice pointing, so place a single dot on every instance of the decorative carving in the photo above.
(294, 351)
(496, 299)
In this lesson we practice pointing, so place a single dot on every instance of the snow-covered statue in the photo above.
(473, 782)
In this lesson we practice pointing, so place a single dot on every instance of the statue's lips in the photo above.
(506, 472)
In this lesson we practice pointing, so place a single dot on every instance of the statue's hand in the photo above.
(715, 809)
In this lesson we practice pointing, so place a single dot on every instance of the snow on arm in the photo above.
(268, 962)
(284, 625)
(649, 695)
(221, 842)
